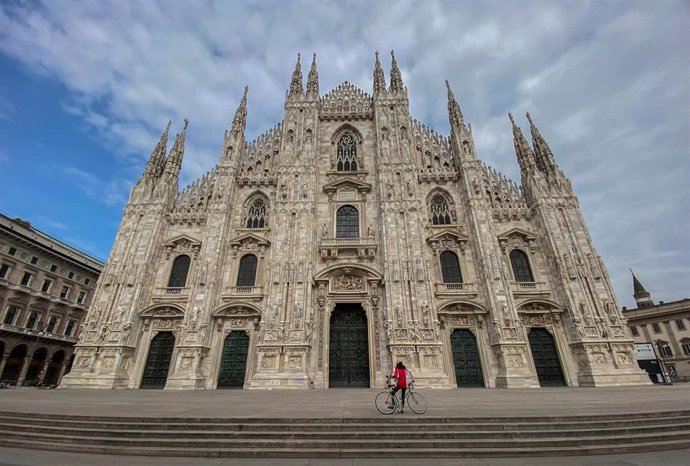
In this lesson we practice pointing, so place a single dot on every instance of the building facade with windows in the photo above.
(342, 240)
(45, 290)
(666, 326)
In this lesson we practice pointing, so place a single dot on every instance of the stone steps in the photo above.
(444, 431)
(348, 437)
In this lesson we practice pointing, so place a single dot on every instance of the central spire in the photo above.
(240, 121)
(454, 112)
(379, 76)
(157, 158)
(313, 79)
(396, 78)
(523, 151)
(296, 87)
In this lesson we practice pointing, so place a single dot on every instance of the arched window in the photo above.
(178, 274)
(246, 276)
(520, 264)
(11, 313)
(347, 222)
(450, 267)
(32, 320)
(347, 153)
(257, 213)
(51, 324)
(440, 213)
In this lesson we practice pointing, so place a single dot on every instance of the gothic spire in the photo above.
(523, 151)
(158, 153)
(544, 157)
(313, 79)
(240, 121)
(296, 87)
(173, 163)
(379, 76)
(396, 78)
(642, 296)
(454, 112)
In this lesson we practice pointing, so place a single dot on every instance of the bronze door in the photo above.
(158, 362)
(349, 348)
(545, 358)
(468, 366)
(233, 364)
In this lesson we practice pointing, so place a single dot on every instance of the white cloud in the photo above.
(605, 82)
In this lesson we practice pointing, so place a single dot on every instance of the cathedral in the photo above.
(342, 240)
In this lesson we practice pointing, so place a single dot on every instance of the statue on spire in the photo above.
(396, 78)
(379, 77)
(296, 87)
(313, 79)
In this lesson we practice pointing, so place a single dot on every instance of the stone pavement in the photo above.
(17, 457)
(342, 403)
(339, 403)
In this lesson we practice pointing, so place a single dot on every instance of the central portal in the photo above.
(349, 347)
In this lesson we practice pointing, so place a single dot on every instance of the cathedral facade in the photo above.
(343, 240)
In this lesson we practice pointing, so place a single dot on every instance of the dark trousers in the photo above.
(402, 398)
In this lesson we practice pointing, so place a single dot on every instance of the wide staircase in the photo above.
(396, 435)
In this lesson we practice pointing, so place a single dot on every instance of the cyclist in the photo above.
(403, 377)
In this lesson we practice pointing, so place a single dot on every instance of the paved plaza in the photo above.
(337, 403)
(553, 402)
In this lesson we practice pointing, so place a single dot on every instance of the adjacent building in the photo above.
(348, 237)
(666, 326)
(46, 287)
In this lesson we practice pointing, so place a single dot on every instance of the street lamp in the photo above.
(39, 331)
(662, 361)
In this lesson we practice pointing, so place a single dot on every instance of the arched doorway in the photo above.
(35, 366)
(545, 358)
(349, 347)
(53, 371)
(158, 361)
(15, 363)
(233, 364)
(468, 366)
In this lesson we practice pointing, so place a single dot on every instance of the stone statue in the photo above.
(370, 231)
(324, 230)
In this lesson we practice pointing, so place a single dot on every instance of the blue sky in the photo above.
(87, 86)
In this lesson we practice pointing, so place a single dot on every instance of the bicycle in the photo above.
(387, 402)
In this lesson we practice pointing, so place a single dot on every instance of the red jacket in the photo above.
(401, 375)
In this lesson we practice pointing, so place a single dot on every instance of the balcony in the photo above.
(529, 289)
(170, 294)
(243, 293)
(450, 290)
(364, 248)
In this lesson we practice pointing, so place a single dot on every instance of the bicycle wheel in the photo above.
(385, 402)
(416, 403)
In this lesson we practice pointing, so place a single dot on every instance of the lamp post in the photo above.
(662, 362)
(39, 331)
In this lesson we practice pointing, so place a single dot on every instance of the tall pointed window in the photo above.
(178, 274)
(246, 276)
(450, 267)
(520, 264)
(257, 213)
(347, 153)
(347, 222)
(440, 213)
